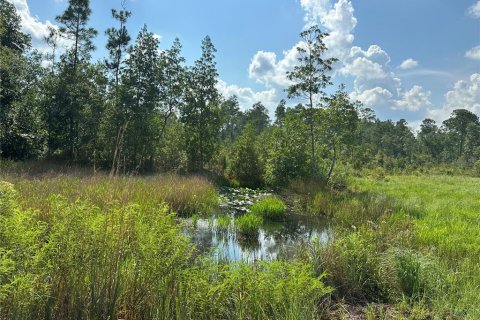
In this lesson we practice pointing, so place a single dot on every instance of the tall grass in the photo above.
(248, 224)
(270, 207)
(446, 224)
(403, 240)
(101, 249)
(185, 195)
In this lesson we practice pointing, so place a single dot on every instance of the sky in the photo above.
(411, 59)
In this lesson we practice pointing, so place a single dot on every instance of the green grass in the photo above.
(248, 224)
(412, 242)
(97, 248)
(185, 195)
(223, 222)
(448, 227)
(270, 208)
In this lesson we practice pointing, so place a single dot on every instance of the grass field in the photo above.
(84, 246)
(445, 211)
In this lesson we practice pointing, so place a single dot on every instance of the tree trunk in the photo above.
(332, 165)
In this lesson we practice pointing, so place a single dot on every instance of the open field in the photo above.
(445, 211)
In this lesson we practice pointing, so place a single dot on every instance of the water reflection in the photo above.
(273, 238)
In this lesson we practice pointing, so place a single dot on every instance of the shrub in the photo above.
(270, 207)
(248, 224)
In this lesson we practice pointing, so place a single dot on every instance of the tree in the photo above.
(458, 124)
(117, 46)
(139, 98)
(200, 114)
(285, 150)
(340, 123)
(310, 77)
(244, 161)
(231, 119)
(172, 78)
(11, 36)
(430, 139)
(74, 28)
(258, 117)
(280, 112)
(21, 126)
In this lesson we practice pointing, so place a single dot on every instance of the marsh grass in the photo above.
(223, 223)
(270, 208)
(411, 241)
(185, 195)
(106, 256)
(248, 224)
(444, 213)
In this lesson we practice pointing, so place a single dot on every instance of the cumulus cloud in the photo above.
(373, 96)
(338, 20)
(31, 25)
(408, 64)
(465, 94)
(473, 53)
(247, 96)
(414, 99)
(375, 83)
(474, 10)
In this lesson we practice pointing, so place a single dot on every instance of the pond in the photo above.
(218, 233)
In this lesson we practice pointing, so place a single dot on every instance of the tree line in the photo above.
(143, 109)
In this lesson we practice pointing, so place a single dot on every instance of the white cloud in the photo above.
(265, 68)
(363, 67)
(465, 94)
(414, 99)
(31, 25)
(373, 96)
(247, 97)
(473, 53)
(408, 64)
(375, 83)
(474, 10)
(338, 20)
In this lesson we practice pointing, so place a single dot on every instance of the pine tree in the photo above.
(74, 28)
(310, 77)
(200, 114)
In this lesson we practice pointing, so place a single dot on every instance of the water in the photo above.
(273, 239)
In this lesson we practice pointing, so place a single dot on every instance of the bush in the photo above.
(270, 207)
(248, 224)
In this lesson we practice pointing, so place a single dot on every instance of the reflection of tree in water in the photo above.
(203, 238)
(249, 244)
(274, 239)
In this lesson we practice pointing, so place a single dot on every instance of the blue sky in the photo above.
(404, 58)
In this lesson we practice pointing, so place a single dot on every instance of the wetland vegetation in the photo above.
(130, 188)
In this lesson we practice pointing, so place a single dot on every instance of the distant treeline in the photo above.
(143, 109)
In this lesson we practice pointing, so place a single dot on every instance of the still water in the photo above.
(217, 234)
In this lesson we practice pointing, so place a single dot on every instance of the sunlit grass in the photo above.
(446, 225)
(270, 207)
(97, 248)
